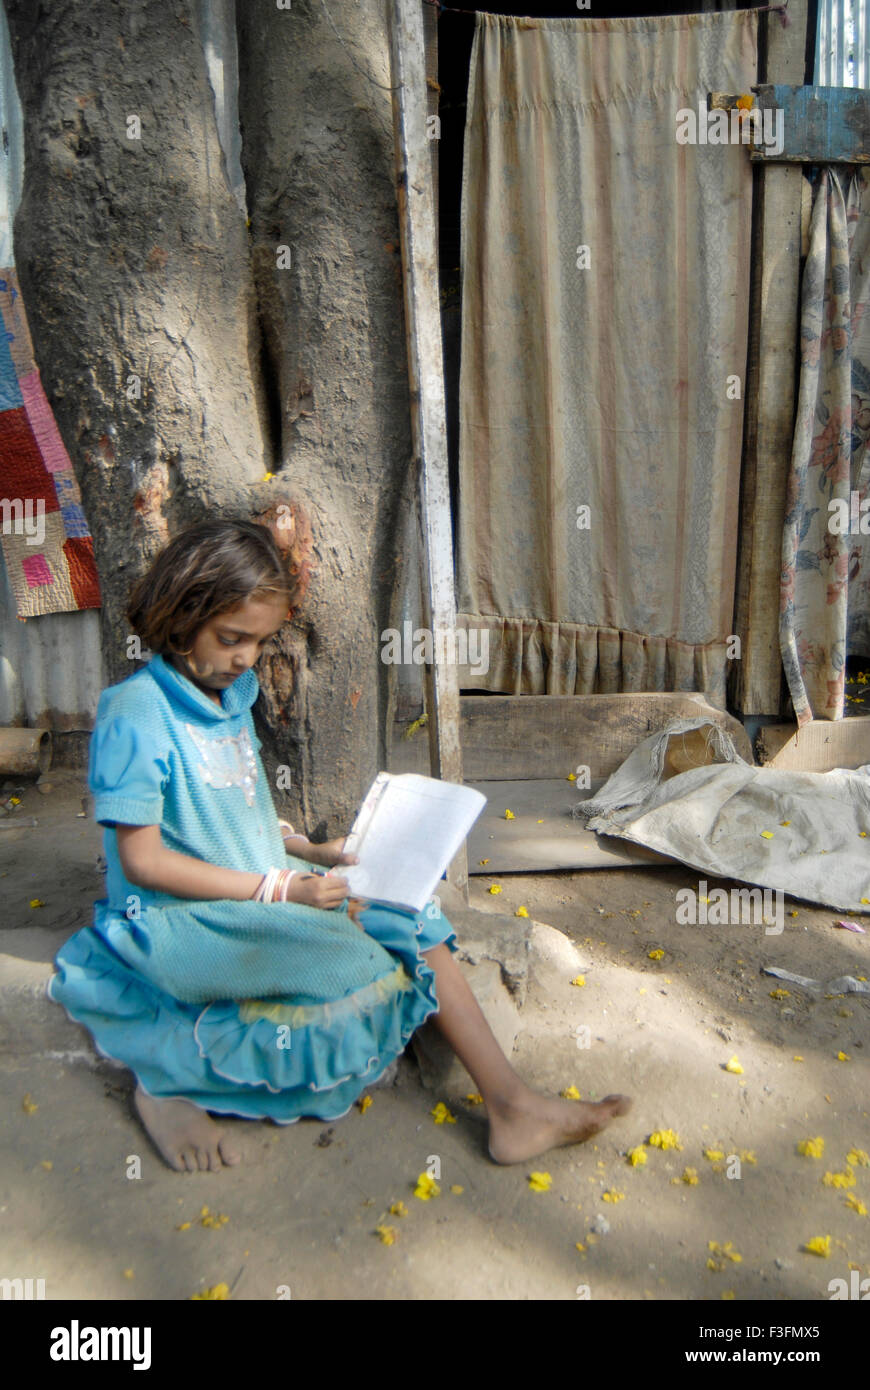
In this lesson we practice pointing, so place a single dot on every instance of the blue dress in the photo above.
(274, 1010)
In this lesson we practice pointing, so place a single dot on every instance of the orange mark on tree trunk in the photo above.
(291, 530)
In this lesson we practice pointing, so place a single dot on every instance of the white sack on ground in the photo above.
(712, 818)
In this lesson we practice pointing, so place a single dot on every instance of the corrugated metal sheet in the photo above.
(51, 668)
(843, 44)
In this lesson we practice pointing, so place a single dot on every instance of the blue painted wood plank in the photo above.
(811, 125)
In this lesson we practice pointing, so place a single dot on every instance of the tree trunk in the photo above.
(135, 265)
(317, 151)
(134, 268)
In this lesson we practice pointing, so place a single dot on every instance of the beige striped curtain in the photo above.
(607, 387)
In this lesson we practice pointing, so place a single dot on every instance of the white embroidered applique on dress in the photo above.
(227, 762)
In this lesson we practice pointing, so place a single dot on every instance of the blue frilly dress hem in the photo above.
(281, 1059)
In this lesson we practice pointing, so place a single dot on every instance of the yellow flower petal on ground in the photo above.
(128, 1274)
(811, 1148)
(657, 954)
(363, 1104)
(441, 1115)
(856, 1204)
(570, 1093)
(767, 834)
(729, 1295)
(613, 1196)
(387, 1234)
(725, 1252)
(580, 1246)
(579, 981)
(540, 1182)
(15, 801)
(426, 1187)
(780, 994)
(858, 1158)
(819, 1245)
(865, 901)
(690, 1177)
(37, 902)
(494, 888)
(797, 1058)
(28, 1106)
(457, 1190)
(843, 1057)
(398, 1209)
(734, 1067)
(785, 822)
(483, 862)
(47, 1164)
(846, 1179)
(714, 1154)
(474, 1098)
(185, 1226)
(219, 1291)
(748, 1156)
(540, 822)
(636, 1157)
(572, 777)
(214, 1222)
(664, 1139)
(521, 912)
(509, 815)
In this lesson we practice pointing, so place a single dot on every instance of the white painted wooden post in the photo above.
(426, 373)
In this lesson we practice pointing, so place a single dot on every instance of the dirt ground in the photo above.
(303, 1208)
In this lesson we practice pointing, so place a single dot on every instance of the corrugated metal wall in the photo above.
(843, 44)
(51, 668)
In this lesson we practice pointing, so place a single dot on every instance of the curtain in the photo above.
(825, 598)
(612, 387)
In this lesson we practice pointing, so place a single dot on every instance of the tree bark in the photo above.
(317, 151)
(134, 262)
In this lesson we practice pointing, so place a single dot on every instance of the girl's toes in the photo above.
(189, 1157)
(622, 1104)
(229, 1155)
(202, 1160)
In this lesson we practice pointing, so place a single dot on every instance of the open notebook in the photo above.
(408, 830)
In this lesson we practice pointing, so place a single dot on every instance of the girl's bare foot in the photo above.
(184, 1134)
(530, 1124)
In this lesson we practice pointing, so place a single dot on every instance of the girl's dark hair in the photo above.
(204, 570)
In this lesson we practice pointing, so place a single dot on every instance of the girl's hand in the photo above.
(327, 891)
(330, 854)
(317, 890)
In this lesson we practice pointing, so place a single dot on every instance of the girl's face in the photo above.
(229, 644)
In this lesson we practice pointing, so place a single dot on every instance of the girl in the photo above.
(222, 967)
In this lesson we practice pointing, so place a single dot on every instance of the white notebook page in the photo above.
(418, 825)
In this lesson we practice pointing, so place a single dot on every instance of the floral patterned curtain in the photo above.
(825, 597)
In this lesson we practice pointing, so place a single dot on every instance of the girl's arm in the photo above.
(147, 862)
(329, 855)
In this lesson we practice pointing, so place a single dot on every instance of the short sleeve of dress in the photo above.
(127, 774)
